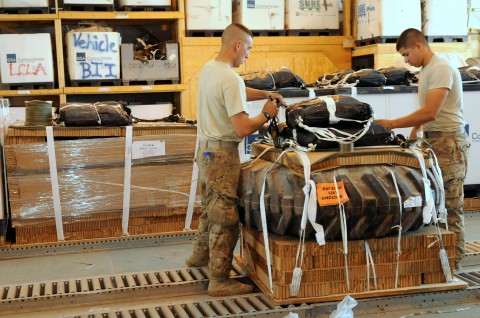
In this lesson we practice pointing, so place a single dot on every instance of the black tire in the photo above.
(373, 209)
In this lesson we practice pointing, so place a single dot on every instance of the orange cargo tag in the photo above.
(327, 195)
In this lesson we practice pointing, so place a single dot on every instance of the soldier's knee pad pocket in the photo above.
(223, 213)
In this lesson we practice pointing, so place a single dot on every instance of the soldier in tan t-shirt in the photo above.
(440, 116)
(222, 122)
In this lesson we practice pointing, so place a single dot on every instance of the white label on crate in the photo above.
(121, 15)
(104, 89)
(413, 202)
(24, 92)
(147, 88)
(143, 149)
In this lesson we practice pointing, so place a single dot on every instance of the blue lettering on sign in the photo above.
(251, 4)
(11, 58)
(86, 41)
(248, 143)
(361, 11)
(81, 57)
(475, 137)
(93, 70)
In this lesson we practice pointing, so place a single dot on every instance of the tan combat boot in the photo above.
(199, 256)
(227, 287)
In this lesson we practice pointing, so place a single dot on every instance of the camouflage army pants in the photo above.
(451, 152)
(219, 173)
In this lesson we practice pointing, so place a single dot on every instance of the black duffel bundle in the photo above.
(332, 79)
(97, 114)
(366, 78)
(327, 121)
(470, 74)
(325, 111)
(396, 75)
(267, 80)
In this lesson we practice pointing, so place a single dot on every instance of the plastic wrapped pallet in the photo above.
(91, 182)
(259, 14)
(208, 14)
(442, 20)
(385, 18)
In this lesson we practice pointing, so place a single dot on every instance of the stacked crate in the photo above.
(324, 275)
(91, 182)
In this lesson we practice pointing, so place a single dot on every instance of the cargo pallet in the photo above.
(203, 33)
(319, 32)
(446, 38)
(28, 10)
(147, 8)
(268, 32)
(93, 83)
(87, 7)
(20, 86)
(377, 40)
(148, 82)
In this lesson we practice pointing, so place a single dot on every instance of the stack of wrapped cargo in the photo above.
(91, 180)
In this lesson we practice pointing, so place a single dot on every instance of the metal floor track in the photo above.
(20, 251)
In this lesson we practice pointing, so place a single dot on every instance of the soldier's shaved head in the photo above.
(235, 32)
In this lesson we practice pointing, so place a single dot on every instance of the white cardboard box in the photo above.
(97, 2)
(311, 15)
(377, 18)
(24, 3)
(208, 14)
(26, 58)
(474, 14)
(93, 55)
(259, 14)
(123, 3)
(444, 18)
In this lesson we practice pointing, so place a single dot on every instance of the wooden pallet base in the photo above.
(147, 8)
(95, 83)
(20, 86)
(326, 32)
(28, 10)
(428, 288)
(87, 7)
(471, 204)
(203, 33)
(446, 38)
(148, 82)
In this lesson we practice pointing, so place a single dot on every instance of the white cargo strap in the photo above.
(369, 257)
(429, 202)
(126, 180)
(310, 203)
(55, 188)
(443, 253)
(263, 217)
(326, 133)
(193, 191)
(343, 226)
(310, 213)
(399, 226)
(442, 210)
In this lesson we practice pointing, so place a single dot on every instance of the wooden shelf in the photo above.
(121, 15)
(125, 89)
(30, 92)
(28, 17)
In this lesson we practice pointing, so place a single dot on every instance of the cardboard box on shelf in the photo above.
(152, 70)
(442, 18)
(373, 15)
(208, 14)
(259, 14)
(311, 15)
(26, 58)
(93, 55)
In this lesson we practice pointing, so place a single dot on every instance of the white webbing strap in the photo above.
(368, 254)
(399, 226)
(442, 254)
(263, 218)
(343, 226)
(310, 204)
(193, 191)
(442, 210)
(55, 188)
(326, 133)
(127, 175)
(429, 200)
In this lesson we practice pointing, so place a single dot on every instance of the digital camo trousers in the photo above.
(451, 152)
(218, 231)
